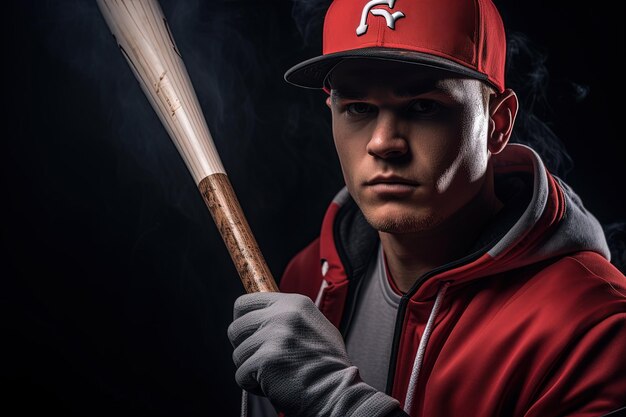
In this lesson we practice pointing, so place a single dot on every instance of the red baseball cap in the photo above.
(465, 37)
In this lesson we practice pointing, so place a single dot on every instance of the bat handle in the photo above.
(222, 202)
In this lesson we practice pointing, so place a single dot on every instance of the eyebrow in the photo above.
(338, 93)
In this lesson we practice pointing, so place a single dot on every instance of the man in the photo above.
(454, 275)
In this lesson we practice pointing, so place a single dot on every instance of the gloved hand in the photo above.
(288, 351)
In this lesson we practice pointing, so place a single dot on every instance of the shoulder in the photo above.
(572, 302)
(303, 273)
(597, 270)
(585, 278)
(557, 328)
(550, 306)
(569, 294)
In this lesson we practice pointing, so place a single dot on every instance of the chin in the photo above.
(401, 221)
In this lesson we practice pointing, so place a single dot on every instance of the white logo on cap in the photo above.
(389, 18)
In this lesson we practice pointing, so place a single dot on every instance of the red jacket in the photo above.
(531, 324)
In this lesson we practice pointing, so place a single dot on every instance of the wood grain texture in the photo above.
(224, 207)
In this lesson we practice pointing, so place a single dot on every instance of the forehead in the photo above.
(356, 78)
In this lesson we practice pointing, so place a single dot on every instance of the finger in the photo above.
(253, 355)
(249, 383)
(264, 343)
(243, 327)
(254, 301)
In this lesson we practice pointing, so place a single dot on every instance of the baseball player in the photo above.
(453, 275)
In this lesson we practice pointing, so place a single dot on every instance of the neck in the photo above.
(410, 255)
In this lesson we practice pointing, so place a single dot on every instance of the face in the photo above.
(412, 143)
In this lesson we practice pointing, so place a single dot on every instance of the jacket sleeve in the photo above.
(589, 379)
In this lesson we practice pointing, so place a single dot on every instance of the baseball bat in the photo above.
(143, 36)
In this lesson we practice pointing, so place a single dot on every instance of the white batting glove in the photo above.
(288, 351)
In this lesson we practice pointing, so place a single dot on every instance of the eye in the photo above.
(425, 107)
(358, 108)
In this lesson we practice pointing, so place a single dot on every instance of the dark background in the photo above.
(117, 287)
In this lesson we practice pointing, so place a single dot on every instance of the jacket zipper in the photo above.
(404, 301)
(349, 307)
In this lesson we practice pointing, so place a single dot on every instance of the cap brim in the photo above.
(313, 72)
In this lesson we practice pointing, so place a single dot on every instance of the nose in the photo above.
(388, 141)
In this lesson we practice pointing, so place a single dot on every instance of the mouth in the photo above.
(391, 179)
(391, 186)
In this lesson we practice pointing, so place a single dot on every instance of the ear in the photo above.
(502, 111)
(329, 102)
